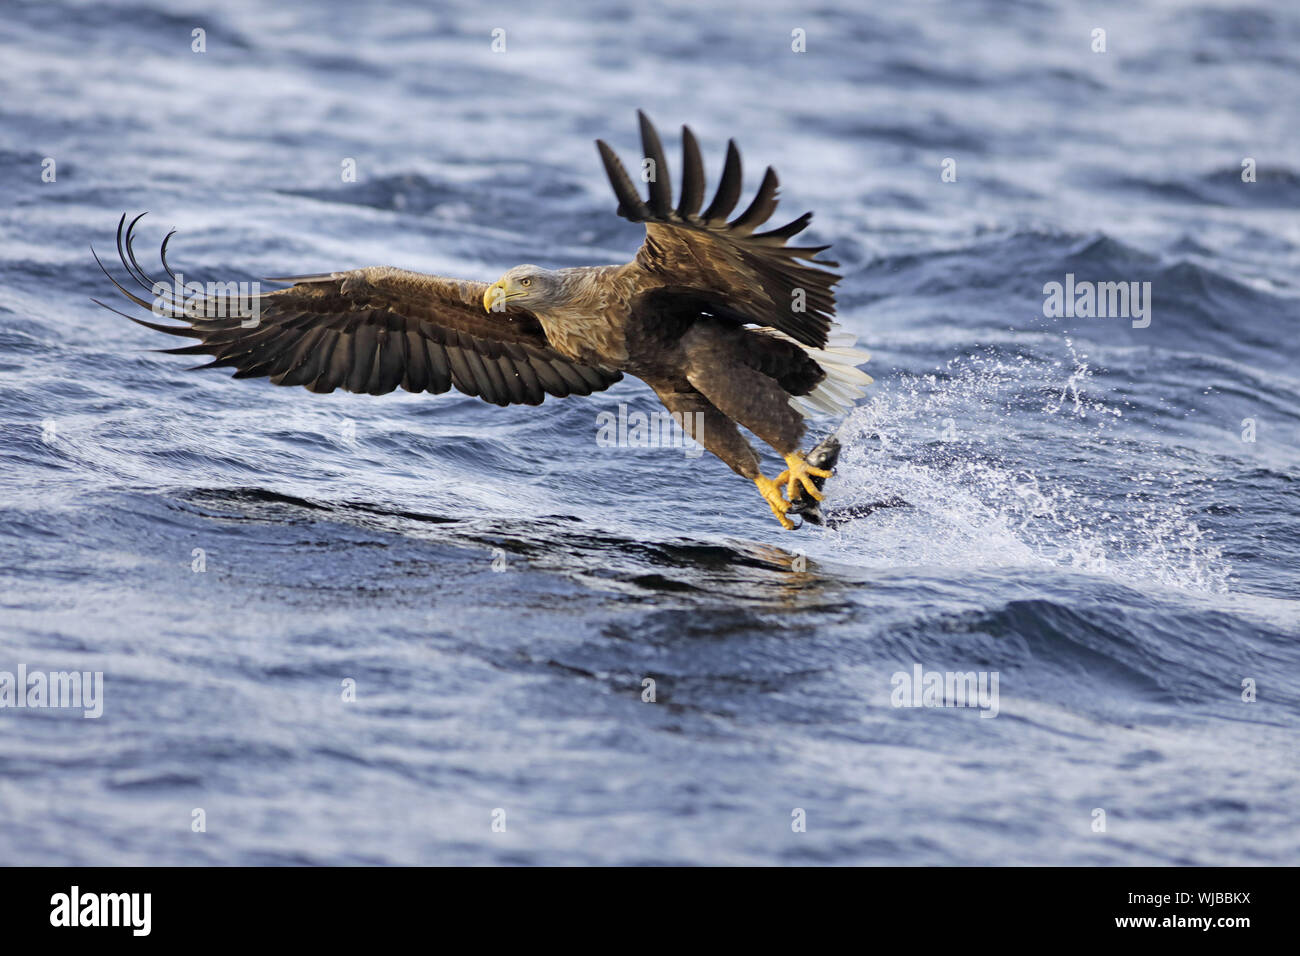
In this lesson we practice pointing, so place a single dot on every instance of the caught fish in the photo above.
(824, 456)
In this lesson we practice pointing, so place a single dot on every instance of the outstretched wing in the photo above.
(718, 266)
(367, 330)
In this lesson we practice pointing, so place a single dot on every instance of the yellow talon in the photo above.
(799, 471)
(771, 492)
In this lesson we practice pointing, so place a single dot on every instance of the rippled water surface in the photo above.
(1070, 503)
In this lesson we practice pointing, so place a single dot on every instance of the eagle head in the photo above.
(530, 287)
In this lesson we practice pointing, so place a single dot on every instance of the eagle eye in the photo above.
(525, 281)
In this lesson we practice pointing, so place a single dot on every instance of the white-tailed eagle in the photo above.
(728, 325)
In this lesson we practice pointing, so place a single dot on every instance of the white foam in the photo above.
(981, 452)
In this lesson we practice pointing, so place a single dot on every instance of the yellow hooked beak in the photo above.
(495, 295)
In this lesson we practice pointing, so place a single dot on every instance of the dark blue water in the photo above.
(1073, 504)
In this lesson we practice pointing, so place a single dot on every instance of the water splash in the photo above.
(1010, 458)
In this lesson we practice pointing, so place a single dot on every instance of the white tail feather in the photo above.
(843, 385)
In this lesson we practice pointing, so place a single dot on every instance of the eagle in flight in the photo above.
(729, 326)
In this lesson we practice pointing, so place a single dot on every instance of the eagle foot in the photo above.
(771, 492)
(799, 472)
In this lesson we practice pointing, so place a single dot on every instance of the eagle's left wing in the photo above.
(726, 268)
(368, 330)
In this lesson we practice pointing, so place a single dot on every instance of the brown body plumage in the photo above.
(721, 321)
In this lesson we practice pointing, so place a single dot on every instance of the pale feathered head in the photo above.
(528, 287)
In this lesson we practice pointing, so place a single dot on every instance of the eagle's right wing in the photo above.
(369, 330)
